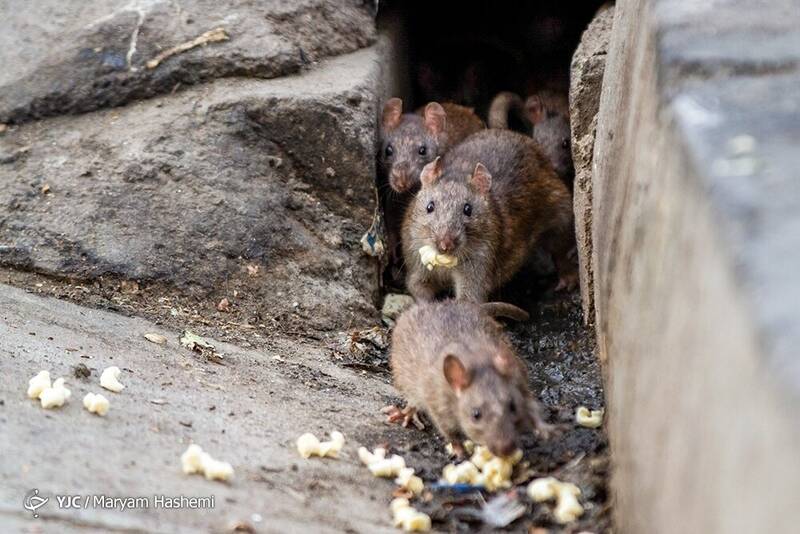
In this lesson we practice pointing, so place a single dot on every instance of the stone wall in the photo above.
(695, 254)
(251, 152)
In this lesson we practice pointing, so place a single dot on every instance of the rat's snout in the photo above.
(446, 243)
(400, 177)
(503, 447)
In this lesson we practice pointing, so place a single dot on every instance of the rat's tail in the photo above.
(504, 309)
(507, 112)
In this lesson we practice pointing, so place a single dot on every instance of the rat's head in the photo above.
(551, 130)
(491, 409)
(452, 212)
(409, 142)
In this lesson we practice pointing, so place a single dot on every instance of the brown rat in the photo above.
(452, 360)
(407, 143)
(488, 202)
(545, 117)
(410, 141)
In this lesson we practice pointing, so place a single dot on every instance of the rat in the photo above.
(452, 360)
(488, 203)
(407, 143)
(545, 117)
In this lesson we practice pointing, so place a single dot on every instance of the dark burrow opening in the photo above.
(467, 52)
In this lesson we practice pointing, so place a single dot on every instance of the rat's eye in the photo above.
(422, 150)
(565, 143)
(467, 209)
(476, 414)
(430, 206)
(389, 151)
(512, 408)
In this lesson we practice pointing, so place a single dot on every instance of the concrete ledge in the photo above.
(695, 238)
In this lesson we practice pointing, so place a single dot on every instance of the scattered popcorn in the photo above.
(217, 470)
(38, 383)
(195, 460)
(497, 474)
(96, 403)
(463, 473)
(589, 419)
(406, 479)
(309, 445)
(483, 469)
(480, 456)
(55, 396)
(430, 258)
(367, 457)
(388, 467)
(110, 379)
(567, 508)
(542, 489)
(409, 519)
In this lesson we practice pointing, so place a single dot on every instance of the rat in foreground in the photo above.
(453, 360)
(545, 117)
(487, 204)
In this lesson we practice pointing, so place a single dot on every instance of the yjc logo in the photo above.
(33, 502)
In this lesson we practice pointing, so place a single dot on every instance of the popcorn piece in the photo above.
(481, 456)
(497, 474)
(55, 396)
(309, 445)
(367, 457)
(408, 518)
(398, 504)
(38, 383)
(430, 258)
(406, 479)
(463, 473)
(417, 522)
(483, 469)
(542, 489)
(216, 470)
(96, 403)
(195, 460)
(110, 379)
(589, 419)
(192, 460)
(567, 508)
(388, 467)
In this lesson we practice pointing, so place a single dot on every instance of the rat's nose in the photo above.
(399, 177)
(446, 244)
(505, 447)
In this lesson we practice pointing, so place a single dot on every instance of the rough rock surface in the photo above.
(695, 231)
(199, 188)
(67, 57)
(586, 82)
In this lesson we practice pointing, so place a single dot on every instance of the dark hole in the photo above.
(467, 51)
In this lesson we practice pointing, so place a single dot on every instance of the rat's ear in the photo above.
(392, 112)
(456, 374)
(431, 172)
(504, 362)
(434, 118)
(534, 109)
(481, 179)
